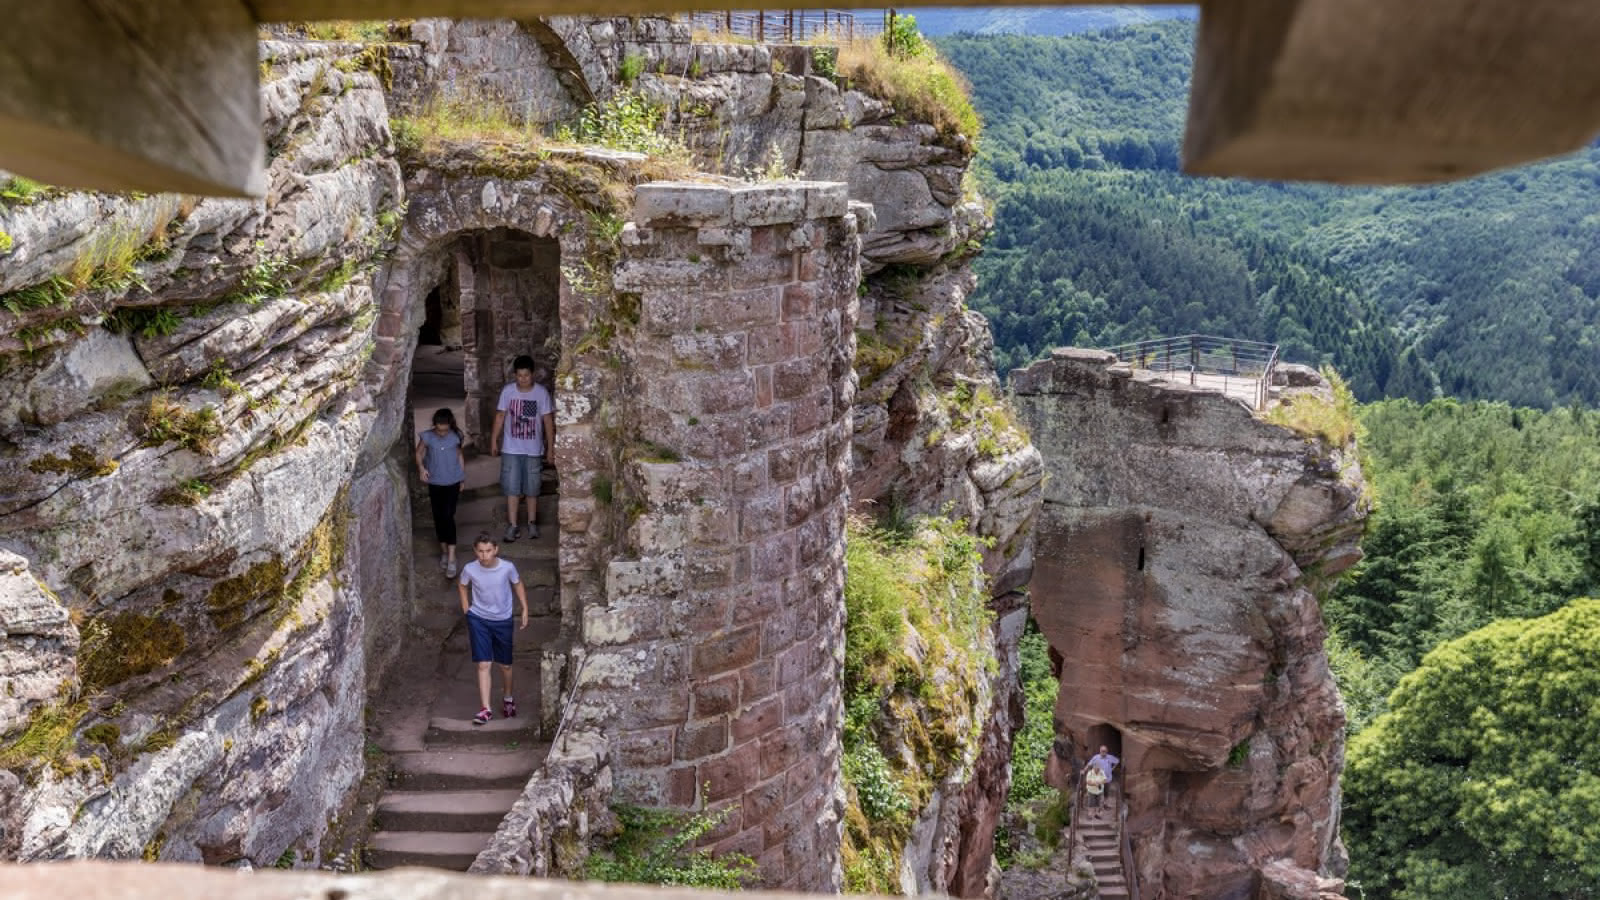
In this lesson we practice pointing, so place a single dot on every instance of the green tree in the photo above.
(1482, 781)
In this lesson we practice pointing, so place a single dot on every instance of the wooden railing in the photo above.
(788, 26)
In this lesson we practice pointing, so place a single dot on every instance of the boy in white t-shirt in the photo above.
(487, 586)
(524, 420)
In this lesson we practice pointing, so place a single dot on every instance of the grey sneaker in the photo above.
(533, 529)
(511, 534)
(450, 569)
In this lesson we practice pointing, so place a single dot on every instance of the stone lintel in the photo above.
(153, 96)
(1376, 92)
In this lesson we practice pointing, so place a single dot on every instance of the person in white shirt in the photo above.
(524, 421)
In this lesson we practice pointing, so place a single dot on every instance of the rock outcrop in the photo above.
(204, 434)
(1178, 537)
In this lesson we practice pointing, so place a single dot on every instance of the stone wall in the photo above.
(562, 808)
(713, 655)
(1175, 549)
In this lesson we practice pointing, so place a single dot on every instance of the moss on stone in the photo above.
(258, 707)
(48, 738)
(105, 734)
(228, 602)
(165, 421)
(918, 647)
(122, 646)
(80, 462)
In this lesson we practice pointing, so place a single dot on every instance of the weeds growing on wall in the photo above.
(918, 650)
(1333, 421)
(657, 847)
(624, 121)
(913, 77)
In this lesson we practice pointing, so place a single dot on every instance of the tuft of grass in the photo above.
(80, 462)
(921, 86)
(187, 493)
(365, 32)
(19, 191)
(168, 421)
(1332, 420)
(632, 66)
(270, 276)
(459, 119)
(147, 322)
(6, 242)
(48, 739)
(52, 292)
(126, 645)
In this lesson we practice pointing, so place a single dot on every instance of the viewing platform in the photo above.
(1230, 366)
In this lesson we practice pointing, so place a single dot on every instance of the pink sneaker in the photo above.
(483, 717)
(508, 708)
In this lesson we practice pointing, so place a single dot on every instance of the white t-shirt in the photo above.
(524, 429)
(490, 590)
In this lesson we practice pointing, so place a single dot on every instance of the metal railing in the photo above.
(1130, 875)
(1233, 366)
(786, 26)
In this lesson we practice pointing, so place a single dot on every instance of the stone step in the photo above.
(452, 811)
(1098, 853)
(445, 731)
(462, 769)
(1110, 881)
(1106, 868)
(435, 849)
(1113, 893)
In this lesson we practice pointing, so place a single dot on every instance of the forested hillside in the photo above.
(1488, 288)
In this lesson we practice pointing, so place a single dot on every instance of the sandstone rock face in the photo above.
(178, 475)
(39, 653)
(1173, 557)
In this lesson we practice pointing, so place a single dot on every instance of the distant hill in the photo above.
(935, 21)
(1487, 288)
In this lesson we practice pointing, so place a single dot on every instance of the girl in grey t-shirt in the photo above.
(443, 467)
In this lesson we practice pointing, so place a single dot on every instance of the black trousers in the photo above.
(443, 497)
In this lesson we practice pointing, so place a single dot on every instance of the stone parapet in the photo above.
(547, 832)
(713, 658)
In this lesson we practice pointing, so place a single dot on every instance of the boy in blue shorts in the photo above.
(486, 585)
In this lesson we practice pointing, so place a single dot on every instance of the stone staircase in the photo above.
(451, 781)
(1098, 830)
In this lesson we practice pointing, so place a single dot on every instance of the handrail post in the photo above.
(1194, 360)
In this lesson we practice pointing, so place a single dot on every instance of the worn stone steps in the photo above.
(435, 849)
(466, 769)
(445, 811)
(509, 733)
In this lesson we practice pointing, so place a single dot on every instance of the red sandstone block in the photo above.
(757, 679)
(774, 865)
(709, 570)
(799, 300)
(712, 351)
(760, 515)
(645, 749)
(805, 338)
(758, 719)
(759, 602)
(780, 749)
(647, 787)
(765, 427)
(763, 271)
(699, 740)
(795, 378)
(709, 523)
(813, 541)
(749, 842)
(668, 311)
(800, 779)
(728, 776)
(808, 265)
(698, 612)
(715, 697)
(727, 652)
(796, 663)
(800, 500)
(768, 344)
(672, 664)
(757, 307)
(731, 391)
(811, 413)
(777, 633)
(763, 376)
(764, 802)
(650, 708)
(783, 463)
(773, 558)
(682, 788)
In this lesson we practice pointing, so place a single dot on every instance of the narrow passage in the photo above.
(453, 781)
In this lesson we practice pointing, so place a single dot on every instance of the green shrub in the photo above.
(657, 847)
(624, 121)
(632, 65)
(868, 772)
(19, 191)
(1033, 744)
(1331, 420)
